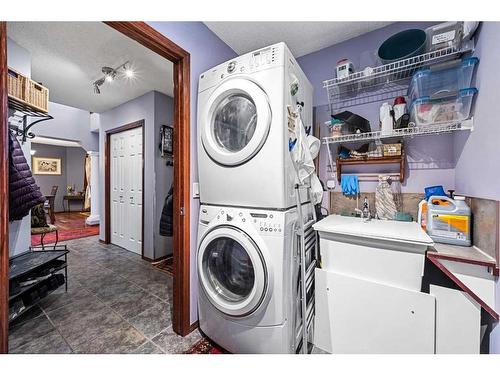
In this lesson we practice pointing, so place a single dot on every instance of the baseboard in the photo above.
(155, 260)
(194, 326)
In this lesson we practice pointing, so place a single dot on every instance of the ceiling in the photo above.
(67, 58)
(301, 37)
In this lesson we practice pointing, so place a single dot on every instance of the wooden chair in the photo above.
(49, 204)
(43, 231)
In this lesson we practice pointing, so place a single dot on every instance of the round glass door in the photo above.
(232, 271)
(236, 122)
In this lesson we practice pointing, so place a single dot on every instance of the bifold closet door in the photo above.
(126, 189)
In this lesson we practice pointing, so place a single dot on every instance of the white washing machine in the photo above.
(243, 156)
(248, 278)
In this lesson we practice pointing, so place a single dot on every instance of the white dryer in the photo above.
(243, 156)
(248, 278)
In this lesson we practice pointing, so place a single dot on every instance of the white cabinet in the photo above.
(360, 316)
(458, 322)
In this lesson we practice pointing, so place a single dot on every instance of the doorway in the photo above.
(158, 43)
(124, 171)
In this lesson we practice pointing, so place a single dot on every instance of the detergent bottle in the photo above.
(449, 220)
(422, 214)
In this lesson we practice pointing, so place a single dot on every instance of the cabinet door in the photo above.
(361, 316)
(458, 322)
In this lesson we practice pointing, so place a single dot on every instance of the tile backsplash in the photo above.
(485, 215)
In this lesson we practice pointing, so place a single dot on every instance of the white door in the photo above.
(232, 271)
(236, 122)
(126, 189)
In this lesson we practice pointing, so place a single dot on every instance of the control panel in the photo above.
(248, 63)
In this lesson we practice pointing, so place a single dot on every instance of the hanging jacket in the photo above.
(24, 193)
(167, 215)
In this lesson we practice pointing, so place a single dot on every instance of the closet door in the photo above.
(126, 189)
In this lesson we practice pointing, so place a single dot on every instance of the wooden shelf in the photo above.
(25, 107)
(373, 160)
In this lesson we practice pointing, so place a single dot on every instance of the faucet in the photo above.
(365, 213)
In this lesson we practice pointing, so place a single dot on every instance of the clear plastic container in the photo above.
(443, 35)
(426, 111)
(442, 80)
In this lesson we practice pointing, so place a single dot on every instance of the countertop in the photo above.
(464, 254)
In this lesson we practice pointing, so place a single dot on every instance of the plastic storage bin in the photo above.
(442, 80)
(427, 111)
(444, 35)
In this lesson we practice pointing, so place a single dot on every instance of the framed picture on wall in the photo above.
(167, 140)
(47, 166)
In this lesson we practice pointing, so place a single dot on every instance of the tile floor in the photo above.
(116, 303)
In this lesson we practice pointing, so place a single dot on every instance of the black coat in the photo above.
(167, 215)
(24, 193)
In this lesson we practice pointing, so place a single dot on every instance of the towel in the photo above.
(302, 150)
(349, 184)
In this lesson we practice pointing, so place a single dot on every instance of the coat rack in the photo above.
(26, 111)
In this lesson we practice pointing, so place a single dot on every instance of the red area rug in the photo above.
(205, 346)
(71, 226)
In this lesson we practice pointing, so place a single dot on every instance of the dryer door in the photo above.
(236, 122)
(232, 271)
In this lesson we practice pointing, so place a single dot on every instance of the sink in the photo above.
(408, 234)
(391, 252)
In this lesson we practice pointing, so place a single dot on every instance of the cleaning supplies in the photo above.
(386, 121)
(384, 200)
(449, 222)
(399, 108)
(437, 190)
(422, 214)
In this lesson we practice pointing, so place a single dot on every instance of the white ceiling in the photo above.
(67, 57)
(301, 37)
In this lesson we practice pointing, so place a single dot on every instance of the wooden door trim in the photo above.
(4, 195)
(107, 179)
(157, 42)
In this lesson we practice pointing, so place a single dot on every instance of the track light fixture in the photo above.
(110, 74)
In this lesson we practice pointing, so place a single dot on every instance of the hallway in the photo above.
(116, 303)
(71, 225)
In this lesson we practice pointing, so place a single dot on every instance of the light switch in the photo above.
(196, 190)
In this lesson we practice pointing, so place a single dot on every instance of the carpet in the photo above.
(70, 226)
(166, 265)
(205, 346)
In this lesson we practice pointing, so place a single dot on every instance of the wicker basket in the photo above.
(16, 84)
(38, 96)
(392, 149)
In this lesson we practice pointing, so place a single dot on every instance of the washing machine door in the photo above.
(232, 271)
(236, 122)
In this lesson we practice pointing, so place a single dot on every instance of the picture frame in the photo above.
(167, 140)
(46, 166)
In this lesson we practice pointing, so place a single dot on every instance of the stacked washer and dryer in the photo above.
(248, 253)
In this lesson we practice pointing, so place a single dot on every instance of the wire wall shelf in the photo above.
(412, 131)
(386, 81)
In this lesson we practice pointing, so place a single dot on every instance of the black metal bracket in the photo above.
(23, 131)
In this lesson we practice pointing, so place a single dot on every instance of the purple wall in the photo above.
(71, 124)
(477, 152)
(430, 160)
(466, 161)
(207, 51)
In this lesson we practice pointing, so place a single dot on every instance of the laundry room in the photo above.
(250, 187)
(386, 158)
